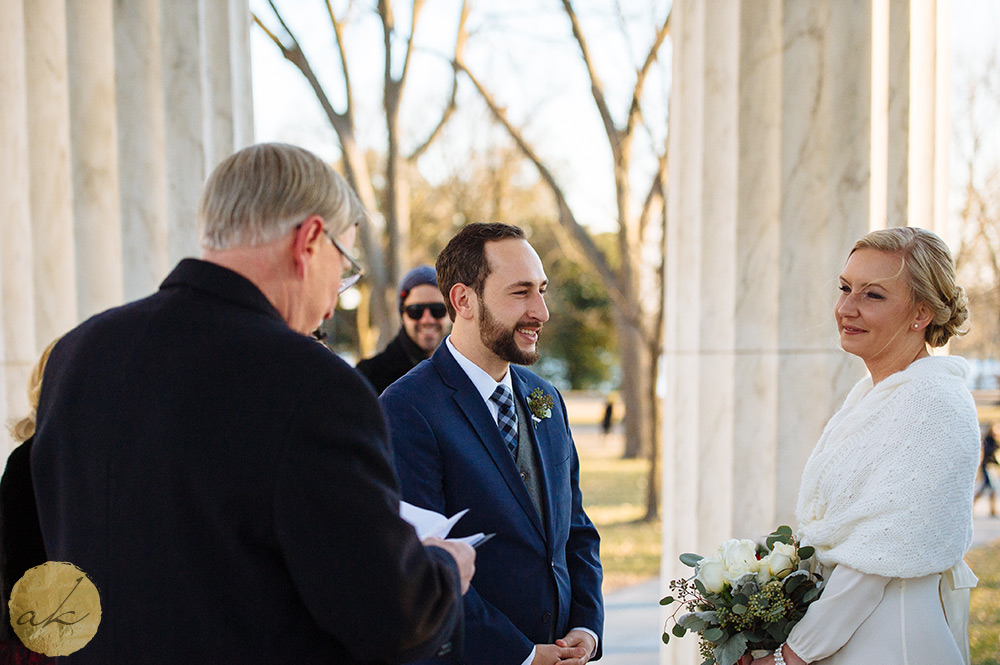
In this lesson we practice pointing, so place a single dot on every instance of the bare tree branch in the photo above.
(566, 217)
(295, 55)
(460, 40)
(596, 88)
(635, 109)
(418, 5)
(338, 33)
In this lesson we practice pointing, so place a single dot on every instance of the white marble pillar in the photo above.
(185, 129)
(918, 116)
(141, 145)
(111, 112)
(17, 292)
(93, 115)
(782, 149)
(49, 157)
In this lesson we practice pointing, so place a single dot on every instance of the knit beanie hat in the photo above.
(424, 274)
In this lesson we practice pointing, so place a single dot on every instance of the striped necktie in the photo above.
(507, 418)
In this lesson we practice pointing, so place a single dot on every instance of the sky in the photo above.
(524, 51)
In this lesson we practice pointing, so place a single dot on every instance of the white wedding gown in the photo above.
(870, 620)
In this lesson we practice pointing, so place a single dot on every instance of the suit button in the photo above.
(524, 476)
(546, 617)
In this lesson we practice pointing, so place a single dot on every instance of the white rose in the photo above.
(781, 560)
(740, 558)
(764, 570)
(710, 572)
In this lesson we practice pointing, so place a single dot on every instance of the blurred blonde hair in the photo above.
(261, 192)
(24, 429)
(930, 273)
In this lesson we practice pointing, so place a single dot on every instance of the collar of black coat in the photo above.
(215, 280)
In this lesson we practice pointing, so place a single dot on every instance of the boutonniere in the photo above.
(540, 406)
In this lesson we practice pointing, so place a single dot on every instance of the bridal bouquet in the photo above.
(745, 598)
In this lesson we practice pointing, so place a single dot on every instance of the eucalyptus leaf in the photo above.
(739, 609)
(715, 635)
(693, 622)
(691, 559)
(666, 638)
(806, 552)
(785, 529)
(792, 582)
(811, 595)
(678, 630)
(666, 600)
(701, 587)
(731, 650)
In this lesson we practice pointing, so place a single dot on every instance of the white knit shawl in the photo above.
(888, 489)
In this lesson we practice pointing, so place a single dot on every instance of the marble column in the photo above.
(141, 145)
(184, 126)
(781, 154)
(50, 186)
(94, 135)
(17, 284)
(112, 110)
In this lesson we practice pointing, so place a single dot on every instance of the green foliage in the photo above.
(984, 611)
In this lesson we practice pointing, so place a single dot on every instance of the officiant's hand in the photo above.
(463, 554)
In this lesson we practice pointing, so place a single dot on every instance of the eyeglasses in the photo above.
(416, 312)
(352, 275)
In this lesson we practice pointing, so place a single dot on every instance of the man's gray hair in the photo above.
(262, 192)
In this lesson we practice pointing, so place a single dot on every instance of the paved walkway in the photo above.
(632, 623)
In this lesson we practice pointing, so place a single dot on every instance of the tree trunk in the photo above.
(635, 396)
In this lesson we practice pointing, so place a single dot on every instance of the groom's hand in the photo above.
(463, 554)
(556, 654)
(582, 642)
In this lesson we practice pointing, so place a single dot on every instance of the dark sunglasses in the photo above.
(416, 312)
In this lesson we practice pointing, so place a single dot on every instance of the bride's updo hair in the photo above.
(930, 272)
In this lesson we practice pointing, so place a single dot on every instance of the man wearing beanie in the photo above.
(425, 324)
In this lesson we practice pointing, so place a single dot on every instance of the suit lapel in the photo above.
(472, 406)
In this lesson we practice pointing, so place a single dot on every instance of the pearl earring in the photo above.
(916, 325)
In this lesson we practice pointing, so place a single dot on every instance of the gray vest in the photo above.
(527, 458)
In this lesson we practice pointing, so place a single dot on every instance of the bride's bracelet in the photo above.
(778, 658)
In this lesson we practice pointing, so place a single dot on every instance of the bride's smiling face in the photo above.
(876, 312)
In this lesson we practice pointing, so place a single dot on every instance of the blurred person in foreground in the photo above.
(21, 545)
(471, 429)
(224, 479)
(886, 496)
(424, 325)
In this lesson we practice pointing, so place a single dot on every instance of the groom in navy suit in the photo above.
(472, 430)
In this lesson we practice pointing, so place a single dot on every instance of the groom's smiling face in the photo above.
(512, 304)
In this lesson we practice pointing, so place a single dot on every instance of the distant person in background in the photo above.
(425, 324)
(988, 460)
(609, 417)
(21, 545)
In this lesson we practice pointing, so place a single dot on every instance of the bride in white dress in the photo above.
(886, 496)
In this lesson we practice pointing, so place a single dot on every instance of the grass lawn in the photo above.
(984, 614)
(614, 495)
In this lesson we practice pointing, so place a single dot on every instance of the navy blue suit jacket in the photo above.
(537, 577)
(227, 484)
